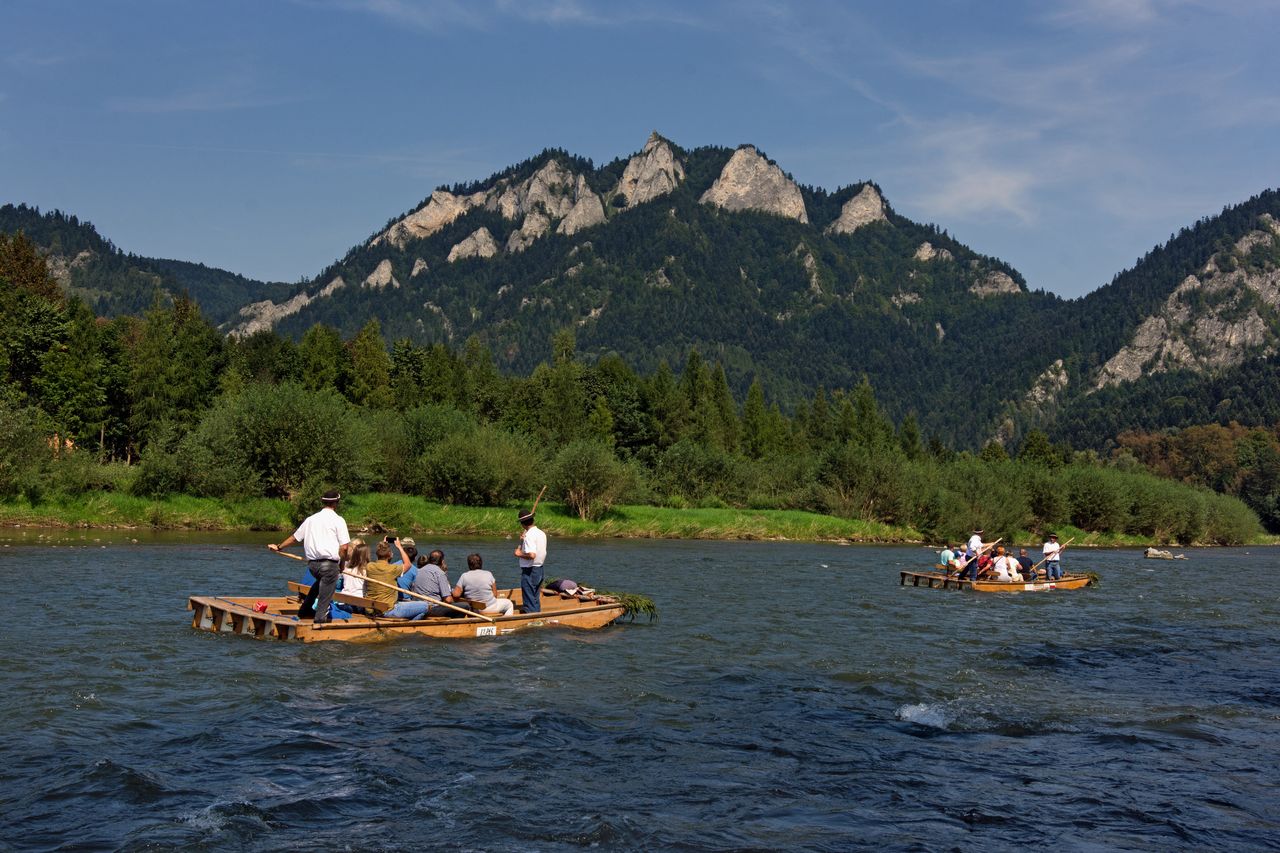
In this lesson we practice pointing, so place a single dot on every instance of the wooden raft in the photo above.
(236, 614)
(937, 580)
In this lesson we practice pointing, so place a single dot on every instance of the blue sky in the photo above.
(268, 137)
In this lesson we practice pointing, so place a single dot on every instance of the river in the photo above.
(790, 696)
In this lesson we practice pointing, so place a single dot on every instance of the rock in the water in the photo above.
(479, 245)
(863, 209)
(750, 182)
(652, 173)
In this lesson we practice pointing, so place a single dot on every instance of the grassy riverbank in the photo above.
(407, 514)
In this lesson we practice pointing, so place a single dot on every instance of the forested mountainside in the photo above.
(670, 250)
(717, 249)
(1189, 335)
(114, 283)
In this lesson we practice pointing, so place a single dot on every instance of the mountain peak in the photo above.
(654, 172)
(750, 182)
(863, 209)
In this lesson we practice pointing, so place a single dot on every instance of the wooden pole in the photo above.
(419, 595)
(1061, 548)
(960, 571)
(407, 592)
(537, 499)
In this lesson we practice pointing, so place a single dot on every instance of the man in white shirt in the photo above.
(971, 552)
(532, 553)
(325, 543)
(1053, 558)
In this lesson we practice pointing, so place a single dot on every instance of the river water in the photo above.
(790, 696)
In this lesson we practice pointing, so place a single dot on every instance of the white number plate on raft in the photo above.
(487, 631)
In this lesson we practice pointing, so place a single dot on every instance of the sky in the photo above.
(268, 137)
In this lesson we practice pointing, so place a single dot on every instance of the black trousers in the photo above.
(320, 596)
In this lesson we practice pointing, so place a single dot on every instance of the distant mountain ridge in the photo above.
(112, 282)
(669, 249)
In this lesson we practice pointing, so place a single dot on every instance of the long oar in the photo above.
(419, 595)
(1061, 548)
(407, 592)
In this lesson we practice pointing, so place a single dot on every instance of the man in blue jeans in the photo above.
(325, 542)
(1053, 558)
(532, 553)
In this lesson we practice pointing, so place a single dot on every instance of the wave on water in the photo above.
(933, 716)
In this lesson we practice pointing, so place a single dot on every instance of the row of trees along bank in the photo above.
(164, 404)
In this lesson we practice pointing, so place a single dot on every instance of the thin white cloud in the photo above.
(1108, 13)
(193, 101)
(438, 16)
(444, 15)
(430, 15)
(32, 60)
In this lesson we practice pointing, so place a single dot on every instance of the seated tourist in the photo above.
(478, 585)
(432, 581)
(1005, 566)
(385, 598)
(947, 558)
(1025, 565)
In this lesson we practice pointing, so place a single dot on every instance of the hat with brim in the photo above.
(408, 542)
(526, 515)
(331, 496)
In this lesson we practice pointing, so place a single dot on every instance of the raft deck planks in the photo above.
(937, 580)
(280, 622)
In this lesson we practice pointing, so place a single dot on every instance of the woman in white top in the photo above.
(1006, 566)
(357, 558)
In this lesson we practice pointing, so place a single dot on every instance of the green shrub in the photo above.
(1157, 507)
(1097, 499)
(272, 439)
(1228, 521)
(692, 472)
(589, 478)
(485, 467)
(1046, 496)
(1191, 518)
(25, 455)
(854, 481)
(159, 474)
(992, 496)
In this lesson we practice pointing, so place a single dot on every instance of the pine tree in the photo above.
(371, 368)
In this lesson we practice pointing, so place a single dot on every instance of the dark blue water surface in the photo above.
(791, 696)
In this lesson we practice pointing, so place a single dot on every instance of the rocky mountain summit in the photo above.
(652, 173)
(863, 209)
(750, 182)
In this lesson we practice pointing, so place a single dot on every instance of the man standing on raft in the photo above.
(532, 552)
(325, 541)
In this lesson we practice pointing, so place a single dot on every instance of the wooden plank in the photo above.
(219, 616)
(197, 610)
(342, 597)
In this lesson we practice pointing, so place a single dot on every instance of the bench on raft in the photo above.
(368, 604)
(985, 574)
